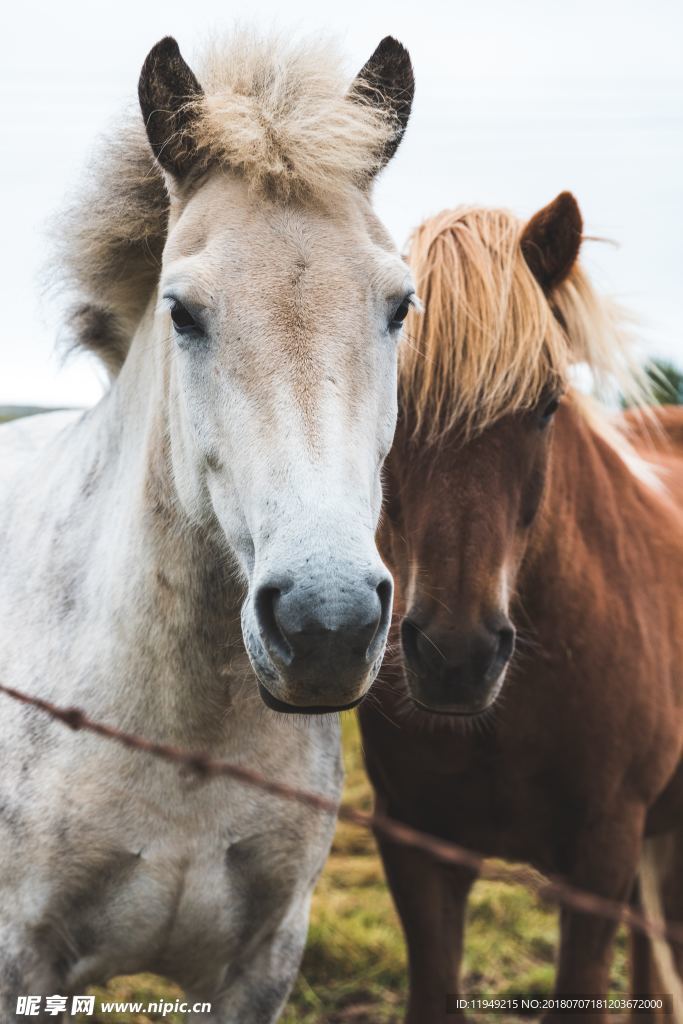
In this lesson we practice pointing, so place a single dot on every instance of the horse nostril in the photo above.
(265, 605)
(410, 641)
(385, 594)
(367, 622)
(506, 644)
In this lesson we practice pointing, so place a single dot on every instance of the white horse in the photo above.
(247, 303)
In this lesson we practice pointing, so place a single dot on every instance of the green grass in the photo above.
(354, 968)
(15, 412)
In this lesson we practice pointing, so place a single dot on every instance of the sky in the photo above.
(514, 103)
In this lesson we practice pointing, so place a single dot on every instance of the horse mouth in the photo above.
(275, 704)
(454, 712)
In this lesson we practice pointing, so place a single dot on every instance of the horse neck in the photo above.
(172, 577)
(591, 510)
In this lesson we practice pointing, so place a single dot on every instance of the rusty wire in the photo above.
(552, 889)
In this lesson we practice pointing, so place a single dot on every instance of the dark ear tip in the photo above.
(165, 86)
(166, 47)
(551, 240)
(387, 82)
(566, 205)
(163, 53)
(391, 49)
(391, 43)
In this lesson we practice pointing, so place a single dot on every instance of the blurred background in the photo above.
(514, 103)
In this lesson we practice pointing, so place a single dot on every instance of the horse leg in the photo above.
(657, 965)
(256, 988)
(607, 867)
(431, 900)
(643, 973)
(26, 969)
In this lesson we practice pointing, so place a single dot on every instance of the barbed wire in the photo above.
(553, 889)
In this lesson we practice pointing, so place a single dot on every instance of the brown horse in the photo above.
(536, 713)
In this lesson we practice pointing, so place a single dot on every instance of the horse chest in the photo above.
(182, 905)
(492, 792)
(140, 867)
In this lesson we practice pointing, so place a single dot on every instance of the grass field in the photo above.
(354, 968)
(14, 412)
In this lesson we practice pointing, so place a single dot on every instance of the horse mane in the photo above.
(490, 342)
(274, 112)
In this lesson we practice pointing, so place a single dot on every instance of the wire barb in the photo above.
(553, 889)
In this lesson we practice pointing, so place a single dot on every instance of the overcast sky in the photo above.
(515, 102)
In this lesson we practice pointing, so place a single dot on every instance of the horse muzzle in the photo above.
(457, 674)
(317, 650)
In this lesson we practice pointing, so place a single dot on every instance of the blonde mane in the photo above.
(273, 112)
(489, 341)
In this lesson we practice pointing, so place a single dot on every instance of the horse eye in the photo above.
(400, 313)
(549, 411)
(183, 321)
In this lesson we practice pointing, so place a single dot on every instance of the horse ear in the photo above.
(551, 241)
(168, 91)
(386, 80)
